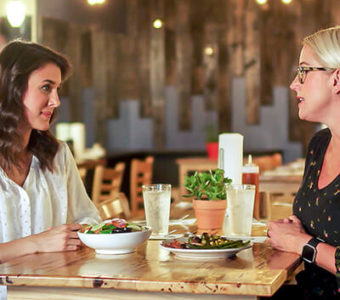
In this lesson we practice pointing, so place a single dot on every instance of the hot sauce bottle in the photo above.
(250, 175)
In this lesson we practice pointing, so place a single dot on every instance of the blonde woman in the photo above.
(314, 229)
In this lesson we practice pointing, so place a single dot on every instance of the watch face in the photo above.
(308, 253)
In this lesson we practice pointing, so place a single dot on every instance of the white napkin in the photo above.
(230, 155)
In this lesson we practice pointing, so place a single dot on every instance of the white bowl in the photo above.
(115, 243)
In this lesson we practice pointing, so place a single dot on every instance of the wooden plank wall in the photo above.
(259, 43)
(143, 56)
(224, 75)
(252, 62)
(183, 46)
(157, 69)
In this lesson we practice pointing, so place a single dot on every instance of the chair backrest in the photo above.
(277, 160)
(86, 169)
(107, 183)
(116, 207)
(275, 206)
(268, 162)
(140, 173)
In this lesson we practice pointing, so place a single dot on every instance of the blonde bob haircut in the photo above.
(326, 45)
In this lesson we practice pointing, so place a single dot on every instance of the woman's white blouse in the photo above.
(45, 200)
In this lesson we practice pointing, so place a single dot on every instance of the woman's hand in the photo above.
(287, 235)
(61, 238)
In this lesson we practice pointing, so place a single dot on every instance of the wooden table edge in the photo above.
(145, 285)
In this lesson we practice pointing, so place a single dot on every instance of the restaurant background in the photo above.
(220, 64)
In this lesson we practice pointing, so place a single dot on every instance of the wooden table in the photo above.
(278, 188)
(287, 185)
(289, 174)
(271, 183)
(284, 180)
(186, 165)
(149, 273)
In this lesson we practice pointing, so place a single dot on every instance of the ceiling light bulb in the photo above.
(209, 51)
(286, 1)
(157, 23)
(94, 2)
(15, 13)
(261, 2)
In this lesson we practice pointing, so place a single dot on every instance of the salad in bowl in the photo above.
(114, 236)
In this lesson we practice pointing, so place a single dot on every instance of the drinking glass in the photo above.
(239, 213)
(157, 198)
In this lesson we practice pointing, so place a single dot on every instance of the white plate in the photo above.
(184, 204)
(253, 239)
(202, 253)
(165, 237)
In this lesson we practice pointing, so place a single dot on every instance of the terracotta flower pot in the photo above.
(209, 214)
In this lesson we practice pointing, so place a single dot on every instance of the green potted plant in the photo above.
(211, 144)
(209, 198)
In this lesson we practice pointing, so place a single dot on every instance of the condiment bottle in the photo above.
(250, 175)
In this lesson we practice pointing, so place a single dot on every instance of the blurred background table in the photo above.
(278, 188)
(191, 164)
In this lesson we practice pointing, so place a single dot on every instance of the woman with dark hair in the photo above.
(314, 230)
(42, 198)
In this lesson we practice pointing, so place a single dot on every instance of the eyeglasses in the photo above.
(302, 72)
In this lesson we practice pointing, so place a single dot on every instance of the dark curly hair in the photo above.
(18, 60)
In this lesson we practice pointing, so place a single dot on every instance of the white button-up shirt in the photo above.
(47, 199)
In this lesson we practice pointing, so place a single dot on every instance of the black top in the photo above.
(318, 210)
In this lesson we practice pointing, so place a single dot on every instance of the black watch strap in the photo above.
(314, 242)
(309, 250)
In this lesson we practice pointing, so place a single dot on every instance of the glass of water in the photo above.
(157, 199)
(239, 213)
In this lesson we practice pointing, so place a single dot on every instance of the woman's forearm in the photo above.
(325, 257)
(289, 235)
(17, 248)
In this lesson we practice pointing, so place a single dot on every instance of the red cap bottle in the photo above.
(250, 175)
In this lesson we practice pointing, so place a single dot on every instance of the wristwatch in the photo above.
(309, 250)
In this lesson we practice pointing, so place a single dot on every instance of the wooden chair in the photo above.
(86, 170)
(268, 162)
(107, 183)
(140, 173)
(274, 206)
(276, 160)
(116, 207)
